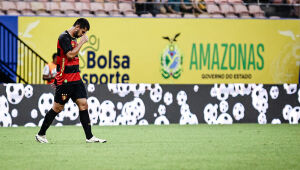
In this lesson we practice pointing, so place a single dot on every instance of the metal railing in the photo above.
(18, 61)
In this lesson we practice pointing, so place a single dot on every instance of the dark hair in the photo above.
(54, 56)
(83, 23)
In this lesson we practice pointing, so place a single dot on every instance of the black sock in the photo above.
(86, 123)
(47, 122)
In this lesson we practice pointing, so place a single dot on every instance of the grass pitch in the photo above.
(238, 146)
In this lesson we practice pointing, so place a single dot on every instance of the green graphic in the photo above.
(93, 44)
(171, 59)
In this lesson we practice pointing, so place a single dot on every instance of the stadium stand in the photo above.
(272, 9)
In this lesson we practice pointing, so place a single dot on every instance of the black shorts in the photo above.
(66, 91)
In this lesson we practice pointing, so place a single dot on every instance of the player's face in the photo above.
(80, 31)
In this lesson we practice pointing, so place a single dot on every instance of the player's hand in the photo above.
(84, 39)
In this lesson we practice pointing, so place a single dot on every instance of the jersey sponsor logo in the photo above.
(73, 43)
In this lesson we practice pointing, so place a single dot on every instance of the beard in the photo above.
(76, 34)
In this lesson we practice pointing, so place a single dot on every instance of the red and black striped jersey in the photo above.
(67, 70)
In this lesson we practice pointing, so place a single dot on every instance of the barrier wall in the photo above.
(177, 51)
(142, 104)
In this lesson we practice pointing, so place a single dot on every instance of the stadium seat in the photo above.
(1, 11)
(97, 8)
(221, 1)
(161, 16)
(54, 9)
(209, 2)
(126, 8)
(212, 9)
(235, 1)
(39, 8)
(10, 8)
(204, 16)
(227, 9)
(127, 1)
(245, 16)
(274, 17)
(189, 16)
(24, 8)
(259, 16)
(85, 1)
(130, 15)
(256, 11)
(231, 16)
(68, 8)
(83, 8)
(217, 16)
(240, 9)
(148, 15)
(112, 9)
(174, 16)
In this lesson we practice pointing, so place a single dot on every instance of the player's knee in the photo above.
(83, 106)
(58, 108)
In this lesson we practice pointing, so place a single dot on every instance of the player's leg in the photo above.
(86, 122)
(80, 97)
(57, 108)
(41, 136)
(61, 97)
(84, 117)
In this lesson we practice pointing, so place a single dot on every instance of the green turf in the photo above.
(238, 146)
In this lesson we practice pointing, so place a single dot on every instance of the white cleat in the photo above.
(95, 140)
(41, 139)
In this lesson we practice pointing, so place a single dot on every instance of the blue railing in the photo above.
(17, 60)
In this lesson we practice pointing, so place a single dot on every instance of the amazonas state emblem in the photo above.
(171, 59)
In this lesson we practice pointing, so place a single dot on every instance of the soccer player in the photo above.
(68, 81)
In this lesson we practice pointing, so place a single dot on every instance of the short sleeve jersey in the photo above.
(67, 70)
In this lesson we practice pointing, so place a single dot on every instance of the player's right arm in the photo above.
(73, 53)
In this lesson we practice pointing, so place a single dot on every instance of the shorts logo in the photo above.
(64, 97)
(171, 59)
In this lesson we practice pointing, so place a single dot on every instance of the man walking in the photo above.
(68, 81)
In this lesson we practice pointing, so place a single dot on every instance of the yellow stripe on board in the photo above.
(177, 51)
